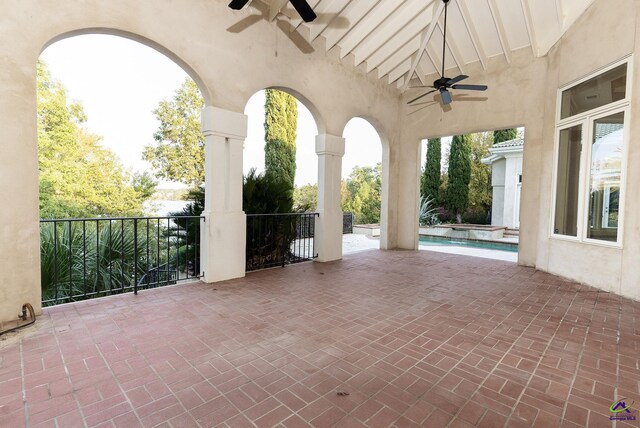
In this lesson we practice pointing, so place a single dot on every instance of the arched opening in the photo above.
(362, 185)
(103, 102)
(306, 131)
(279, 157)
(470, 189)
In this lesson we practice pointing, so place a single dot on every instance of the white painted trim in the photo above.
(627, 59)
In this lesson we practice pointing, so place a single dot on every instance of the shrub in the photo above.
(476, 217)
(428, 211)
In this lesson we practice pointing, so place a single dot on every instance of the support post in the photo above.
(223, 236)
(328, 232)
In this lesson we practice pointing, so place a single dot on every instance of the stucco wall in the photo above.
(229, 63)
(581, 52)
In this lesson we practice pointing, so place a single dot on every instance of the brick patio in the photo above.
(379, 339)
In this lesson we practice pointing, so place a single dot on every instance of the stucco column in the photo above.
(328, 233)
(223, 237)
(19, 213)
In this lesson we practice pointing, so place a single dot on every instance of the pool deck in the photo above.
(353, 243)
(507, 256)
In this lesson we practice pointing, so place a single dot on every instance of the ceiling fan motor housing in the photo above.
(441, 82)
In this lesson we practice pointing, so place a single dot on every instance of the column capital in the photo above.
(327, 144)
(224, 123)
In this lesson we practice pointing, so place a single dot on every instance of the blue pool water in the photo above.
(437, 241)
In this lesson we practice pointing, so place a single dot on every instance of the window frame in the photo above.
(586, 121)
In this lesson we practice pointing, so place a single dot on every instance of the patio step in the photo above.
(512, 233)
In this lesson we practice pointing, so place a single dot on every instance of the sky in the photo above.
(120, 82)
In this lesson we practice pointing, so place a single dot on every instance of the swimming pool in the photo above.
(437, 241)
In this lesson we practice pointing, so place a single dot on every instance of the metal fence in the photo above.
(347, 223)
(279, 239)
(86, 258)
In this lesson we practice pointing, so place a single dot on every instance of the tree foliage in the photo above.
(504, 135)
(269, 238)
(78, 177)
(459, 174)
(178, 151)
(363, 194)
(266, 194)
(281, 119)
(305, 198)
(430, 180)
(480, 190)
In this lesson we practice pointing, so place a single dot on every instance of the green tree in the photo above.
(457, 194)
(305, 198)
(269, 238)
(504, 135)
(178, 151)
(430, 180)
(78, 177)
(144, 184)
(281, 119)
(363, 194)
(480, 190)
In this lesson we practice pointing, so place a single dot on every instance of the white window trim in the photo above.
(586, 120)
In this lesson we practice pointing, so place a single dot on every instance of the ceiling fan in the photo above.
(301, 6)
(443, 84)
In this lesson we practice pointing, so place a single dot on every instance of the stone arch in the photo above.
(384, 203)
(315, 112)
(308, 129)
(193, 74)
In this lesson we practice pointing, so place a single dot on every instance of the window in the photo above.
(590, 157)
(606, 88)
(605, 174)
(568, 181)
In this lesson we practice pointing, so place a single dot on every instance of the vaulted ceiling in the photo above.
(401, 40)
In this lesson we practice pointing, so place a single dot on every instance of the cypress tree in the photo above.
(504, 135)
(281, 118)
(430, 182)
(457, 194)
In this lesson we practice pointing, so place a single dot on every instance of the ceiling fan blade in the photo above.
(304, 10)
(238, 4)
(456, 79)
(421, 96)
(446, 97)
(471, 87)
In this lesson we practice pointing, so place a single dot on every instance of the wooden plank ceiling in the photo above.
(401, 40)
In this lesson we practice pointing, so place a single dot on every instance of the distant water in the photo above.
(163, 208)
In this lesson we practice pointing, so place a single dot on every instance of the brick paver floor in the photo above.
(382, 338)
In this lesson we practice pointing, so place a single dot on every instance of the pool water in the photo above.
(437, 241)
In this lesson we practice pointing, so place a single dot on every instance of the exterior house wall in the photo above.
(505, 172)
(513, 169)
(498, 169)
(228, 65)
(581, 52)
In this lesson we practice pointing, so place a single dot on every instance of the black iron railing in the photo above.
(87, 258)
(347, 223)
(279, 239)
